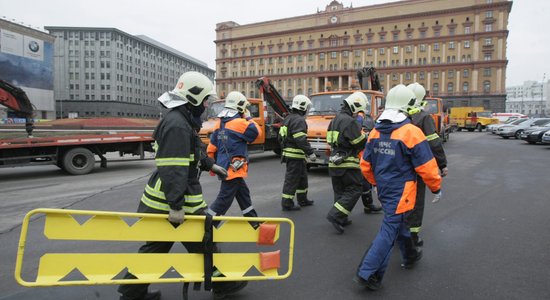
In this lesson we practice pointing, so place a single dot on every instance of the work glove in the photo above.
(176, 216)
(444, 172)
(219, 171)
(437, 197)
(312, 157)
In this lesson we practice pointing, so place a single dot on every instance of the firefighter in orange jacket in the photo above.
(395, 154)
(228, 145)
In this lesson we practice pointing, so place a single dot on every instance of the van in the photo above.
(503, 117)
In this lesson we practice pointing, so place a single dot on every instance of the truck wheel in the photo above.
(78, 161)
(471, 129)
(479, 127)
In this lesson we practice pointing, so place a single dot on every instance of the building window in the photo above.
(450, 87)
(466, 73)
(396, 37)
(357, 53)
(488, 27)
(465, 86)
(381, 51)
(408, 76)
(451, 73)
(489, 14)
(488, 41)
(369, 52)
(333, 54)
(466, 44)
(436, 46)
(395, 50)
(435, 88)
(436, 74)
(421, 75)
(467, 30)
(394, 76)
(486, 86)
(451, 45)
(345, 53)
(487, 72)
(488, 56)
(408, 49)
(322, 55)
(422, 47)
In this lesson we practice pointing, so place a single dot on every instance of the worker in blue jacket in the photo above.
(396, 153)
(228, 146)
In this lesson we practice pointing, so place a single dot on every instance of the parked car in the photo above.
(508, 131)
(512, 121)
(546, 137)
(534, 134)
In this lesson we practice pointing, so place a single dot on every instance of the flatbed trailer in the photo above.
(73, 153)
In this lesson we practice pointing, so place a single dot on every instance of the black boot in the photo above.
(371, 208)
(336, 224)
(306, 202)
(373, 283)
(412, 254)
(152, 295)
(288, 205)
(418, 241)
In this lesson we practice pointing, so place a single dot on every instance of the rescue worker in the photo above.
(174, 187)
(346, 139)
(228, 146)
(425, 122)
(367, 124)
(395, 153)
(295, 149)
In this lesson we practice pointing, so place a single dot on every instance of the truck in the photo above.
(71, 148)
(471, 118)
(262, 113)
(435, 108)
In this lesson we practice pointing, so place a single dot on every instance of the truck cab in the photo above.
(261, 113)
(324, 108)
(434, 107)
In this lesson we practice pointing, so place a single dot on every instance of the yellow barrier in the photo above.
(102, 268)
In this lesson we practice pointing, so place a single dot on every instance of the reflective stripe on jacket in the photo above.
(293, 136)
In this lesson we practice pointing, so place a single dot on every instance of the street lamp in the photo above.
(542, 114)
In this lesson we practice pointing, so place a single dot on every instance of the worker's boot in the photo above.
(368, 203)
(412, 254)
(304, 202)
(418, 241)
(288, 205)
(339, 226)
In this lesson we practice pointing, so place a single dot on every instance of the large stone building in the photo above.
(530, 98)
(456, 49)
(102, 72)
(26, 61)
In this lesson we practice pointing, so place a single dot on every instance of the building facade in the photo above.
(105, 72)
(26, 61)
(456, 49)
(530, 98)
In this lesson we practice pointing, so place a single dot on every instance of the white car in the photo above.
(512, 121)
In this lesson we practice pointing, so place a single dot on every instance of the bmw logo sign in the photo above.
(33, 46)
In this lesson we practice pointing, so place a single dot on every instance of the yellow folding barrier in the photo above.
(102, 268)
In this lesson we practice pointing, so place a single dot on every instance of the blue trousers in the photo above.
(377, 256)
(229, 190)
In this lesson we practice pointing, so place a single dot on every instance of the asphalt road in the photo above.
(487, 238)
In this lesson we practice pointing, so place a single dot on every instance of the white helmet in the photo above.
(400, 98)
(193, 87)
(236, 101)
(357, 102)
(300, 102)
(419, 92)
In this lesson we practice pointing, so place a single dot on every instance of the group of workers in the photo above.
(397, 158)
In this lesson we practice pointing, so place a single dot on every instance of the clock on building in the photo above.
(333, 19)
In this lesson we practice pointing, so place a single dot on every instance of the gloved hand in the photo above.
(444, 172)
(312, 157)
(176, 216)
(219, 171)
(437, 197)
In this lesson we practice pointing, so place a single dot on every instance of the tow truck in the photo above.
(71, 150)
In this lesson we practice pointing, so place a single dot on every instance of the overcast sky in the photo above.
(189, 26)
